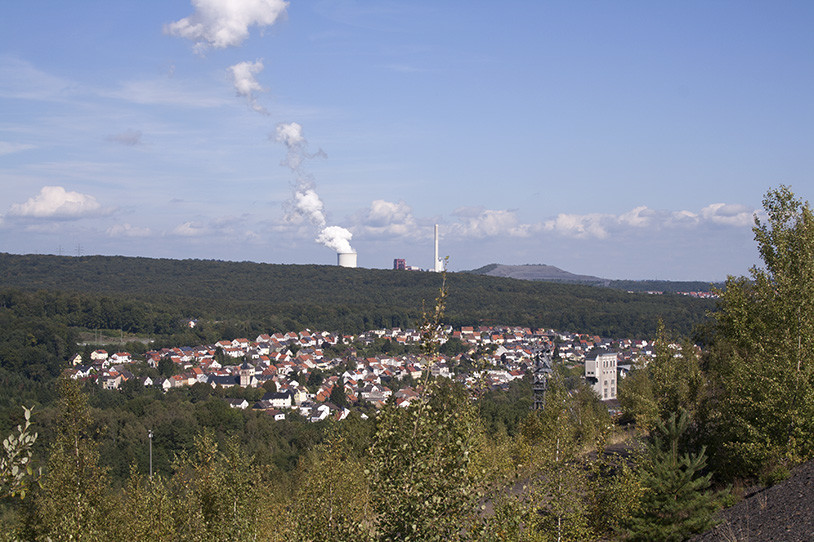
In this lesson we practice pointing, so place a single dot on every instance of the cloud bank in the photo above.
(387, 219)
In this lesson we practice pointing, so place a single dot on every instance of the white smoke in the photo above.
(290, 134)
(245, 83)
(337, 238)
(305, 202)
(225, 23)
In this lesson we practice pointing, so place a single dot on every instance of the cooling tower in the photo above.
(346, 259)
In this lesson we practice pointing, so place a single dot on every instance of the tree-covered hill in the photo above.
(283, 297)
(549, 273)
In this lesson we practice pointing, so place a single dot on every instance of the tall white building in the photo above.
(600, 373)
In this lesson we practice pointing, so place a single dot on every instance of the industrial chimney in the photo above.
(438, 266)
(346, 259)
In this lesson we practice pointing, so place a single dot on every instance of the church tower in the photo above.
(246, 374)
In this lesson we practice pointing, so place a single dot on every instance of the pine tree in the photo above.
(676, 501)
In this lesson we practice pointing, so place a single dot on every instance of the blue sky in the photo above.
(619, 139)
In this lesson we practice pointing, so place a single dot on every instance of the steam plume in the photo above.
(246, 85)
(225, 23)
(305, 202)
(337, 238)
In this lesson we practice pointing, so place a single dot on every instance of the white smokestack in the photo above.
(346, 259)
(439, 263)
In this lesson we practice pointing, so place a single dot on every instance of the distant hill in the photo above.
(274, 297)
(549, 273)
(538, 272)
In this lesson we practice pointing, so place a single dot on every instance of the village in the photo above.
(283, 364)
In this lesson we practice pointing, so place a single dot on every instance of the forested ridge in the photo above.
(285, 297)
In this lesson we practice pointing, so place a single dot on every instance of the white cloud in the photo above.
(386, 218)
(602, 225)
(639, 217)
(7, 147)
(729, 214)
(189, 229)
(477, 222)
(225, 23)
(246, 86)
(56, 202)
(126, 230)
(682, 218)
(579, 226)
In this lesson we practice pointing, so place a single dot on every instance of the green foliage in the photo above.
(614, 491)
(212, 494)
(221, 491)
(16, 471)
(676, 501)
(148, 511)
(637, 399)
(503, 410)
(553, 505)
(657, 387)
(332, 503)
(73, 502)
(338, 396)
(763, 360)
(422, 486)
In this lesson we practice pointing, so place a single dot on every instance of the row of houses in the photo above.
(282, 361)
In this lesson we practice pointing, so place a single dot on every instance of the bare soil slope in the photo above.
(784, 512)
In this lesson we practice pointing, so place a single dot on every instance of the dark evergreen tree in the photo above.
(338, 396)
(677, 500)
